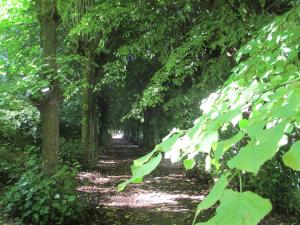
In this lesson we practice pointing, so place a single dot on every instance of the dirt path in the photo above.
(166, 197)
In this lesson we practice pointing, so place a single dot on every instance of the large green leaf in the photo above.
(138, 172)
(289, 106)
(167, 144)
(227, 116)
(246, 208)
(206, 140)
(145, 169)
(195, 130)
(214, 195)
(122, 185)
(259, 150)
(189, 164)
(224, 145)
(243, 123)
(292, 157)
(144, 159)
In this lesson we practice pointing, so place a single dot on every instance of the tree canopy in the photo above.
(213, 84)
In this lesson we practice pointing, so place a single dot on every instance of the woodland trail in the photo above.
(166, 197)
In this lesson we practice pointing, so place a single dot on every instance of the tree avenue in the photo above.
(212, 85)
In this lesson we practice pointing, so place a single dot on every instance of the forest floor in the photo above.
(166, 197)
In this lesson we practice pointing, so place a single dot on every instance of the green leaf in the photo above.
(289, 105)
(147, 167)
(224, 145)
(122, 185)
(189, 164)
(243, 123)
(246, 208)
(227, 116)
(259, 150)
(195, 130)
(138, 172)
(207, 139)
(292, 157)
(144, 159)
(136, 180)
(167, 144)
(214, 195)
(255, 128)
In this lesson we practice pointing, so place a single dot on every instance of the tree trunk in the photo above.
(134, 128)
(103, 123)
(88, 129)
(156, 131)
(148, 132)
(48, 104)
(50, 136)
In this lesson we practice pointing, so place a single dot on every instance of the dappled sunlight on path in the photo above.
(165, 197)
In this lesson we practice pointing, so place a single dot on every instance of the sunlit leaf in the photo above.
(292, 157)
(246, 208)
(189, 164)
(214, 195)
(257, 152)
(147, 168)
(167, 144)
(144, 159)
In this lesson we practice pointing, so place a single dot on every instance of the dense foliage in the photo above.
(44, 201)
(74, 71)
(260, 106)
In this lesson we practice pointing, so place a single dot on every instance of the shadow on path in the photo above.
(166, 197)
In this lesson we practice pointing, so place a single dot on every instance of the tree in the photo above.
(48, 104)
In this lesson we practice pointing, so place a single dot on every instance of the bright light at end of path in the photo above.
(118, 134)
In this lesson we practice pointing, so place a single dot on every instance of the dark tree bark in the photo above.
(148, 130)
(48, 104)
(103, 121)
(156, 130)
(134, 132)
(89, 119)
(151, 128)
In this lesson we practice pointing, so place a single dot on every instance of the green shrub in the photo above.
(71, 152)
(12, 162)
(294, 204)
(43, 200)
(20, 126)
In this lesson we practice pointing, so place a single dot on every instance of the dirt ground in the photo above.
(166, 197)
